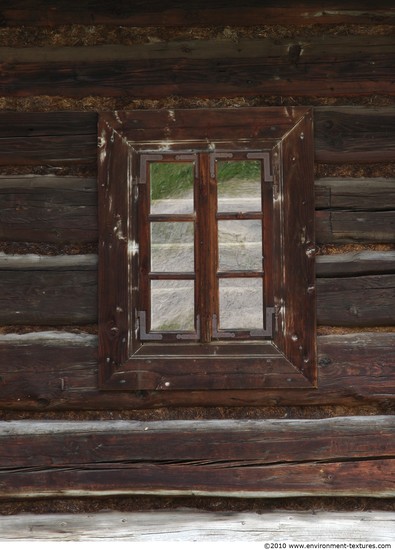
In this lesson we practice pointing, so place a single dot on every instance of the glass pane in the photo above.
(239, 186)
(240, 245)
(172, 246)
(172, 305)
(240, 304)
(171, 185)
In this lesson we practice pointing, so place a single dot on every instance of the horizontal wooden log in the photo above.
(197, 13)
(355, 263)
(25, 444)
(345, 226)
(48, 138)
(48, 292)
(48, 209)
(34, 262)
(31, 285)
(52, 123)
(355, 210)
(356, 301)
(244, 458)
(366, 194)
(58, 371)
(329, 66)
(64, 209)
(363, 478)
(354, 134)
(202, 527)
(343, 134)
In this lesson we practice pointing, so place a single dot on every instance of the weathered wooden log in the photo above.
(212, 68)
(354, 134)
(197, 13)
(46, 291)
(342, 134)
(355, 263)
(356, 301)
(366, 194)
(48, 209)
(64, 209)
(31, 285)
(48, 138)
(336, 456)
(355, 210)
(341, 227)
(58, 371)
(25, 444)
(202, 527)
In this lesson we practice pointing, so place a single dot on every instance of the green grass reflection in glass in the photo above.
(173, 179)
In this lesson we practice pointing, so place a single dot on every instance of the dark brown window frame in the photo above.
(288, 359)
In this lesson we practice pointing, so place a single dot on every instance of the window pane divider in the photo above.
(239, 274)
(172, 217)
(239, 215)
(179, 275)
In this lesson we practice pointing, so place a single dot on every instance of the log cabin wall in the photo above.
(60, 68)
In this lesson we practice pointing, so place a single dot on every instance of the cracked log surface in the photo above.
(244, 458)
(198, 526)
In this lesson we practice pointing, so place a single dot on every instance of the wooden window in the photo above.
(206, 274)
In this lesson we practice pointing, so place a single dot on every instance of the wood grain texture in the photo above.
(355, 263)
(201, 526)
(197, 13)
(64, 209)
(356, 301)
(354, 134)
(59, 371)
(346, 226)
(59, 138)
(342, 134)
(30, 286)
(365, 194)
(363, 478)
(326, 66)
(48, 209)
(294, 283)
(249, 458)
(45, 292)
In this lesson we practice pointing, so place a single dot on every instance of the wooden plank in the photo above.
(356, 301)
(58, 371)
(48, 209)
(354, 134)
(336, 456)
(364, 194)
(48, 138)
(202, 527)
(198, 13)
(206, 68)
(345, 226)
(355, 263)
(293, 275)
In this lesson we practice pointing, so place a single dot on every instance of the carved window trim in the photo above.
(288, 359)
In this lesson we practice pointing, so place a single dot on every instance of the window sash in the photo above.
(207, 274)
